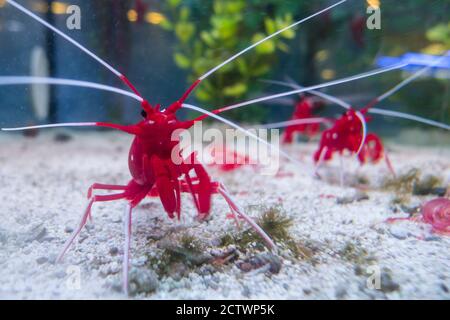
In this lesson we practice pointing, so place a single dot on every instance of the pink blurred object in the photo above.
(437, 213)
(228, 160)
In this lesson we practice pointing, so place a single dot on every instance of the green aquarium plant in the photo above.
(439, 36)
(210, 32)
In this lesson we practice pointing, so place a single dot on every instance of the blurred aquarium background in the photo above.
(162, 46)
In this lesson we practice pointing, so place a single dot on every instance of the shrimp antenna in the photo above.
(384, 96)
(383, 112)
(125, 128)
(178, 104)
(22, 80)
(369, 108)
(313, 92)
(75, 43)
(283, 124)
(362, 119)
(128, 129)
(207, 74)
(407, 116)
(54, 125)
(306, 89)
(319, 86)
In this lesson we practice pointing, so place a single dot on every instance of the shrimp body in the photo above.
(344, 135)
(157, 167)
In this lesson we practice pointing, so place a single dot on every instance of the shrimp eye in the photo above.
(144, 114)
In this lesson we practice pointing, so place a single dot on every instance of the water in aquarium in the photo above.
(224, 149)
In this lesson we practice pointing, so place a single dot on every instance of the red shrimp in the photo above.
(303, 110)
(347, 135)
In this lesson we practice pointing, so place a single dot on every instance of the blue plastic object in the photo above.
(417, 61)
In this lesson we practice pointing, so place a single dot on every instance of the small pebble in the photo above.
(341, 292)
(206, 269)
(358, 270)
(246, 267)
(178, 271)
(3, 236)
(116, 219)
(269, 260)
(440, 192)
(143, 281)
(68, 229)
(62, 137)
(399, 232)
(387, 284)
(246, 291)
(37, 233)
(432, 238)
(156, 235)
(60, 274)
(357, 197)
(41, 260)
(113, 251)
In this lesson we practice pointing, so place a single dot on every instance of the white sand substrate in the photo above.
(43, 187)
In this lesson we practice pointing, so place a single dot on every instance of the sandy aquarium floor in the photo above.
(334, 248)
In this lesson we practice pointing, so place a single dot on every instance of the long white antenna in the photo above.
(55, 125)
(62, 34)
(75, 43)
(283, 124)
(314, 92)
(331, 98)
(364, 130)
(407, 116)
(384, 112)
(319, 86)
(22, 80)
(267, 38)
